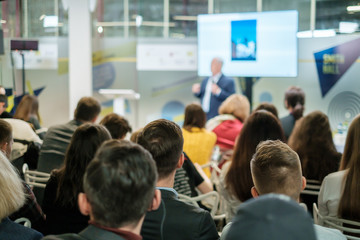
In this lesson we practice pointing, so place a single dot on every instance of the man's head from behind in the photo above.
(275, 168)
(6, 137)
(164, 140)
(87, 109)
(117, 125)
(119, 185)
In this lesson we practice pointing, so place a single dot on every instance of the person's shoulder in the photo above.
(17, 231)
(335, 175)
(68, 236)
(324, 233)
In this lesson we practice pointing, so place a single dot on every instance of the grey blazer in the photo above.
(89, 233)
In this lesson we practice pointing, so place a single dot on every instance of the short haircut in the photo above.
(3, 99)
(194, 117)
(164, 140)
(117, 125)
(119, 183)
(276, 168)
(11, 189)
(87, 109)
(237, 105)
(5, 132)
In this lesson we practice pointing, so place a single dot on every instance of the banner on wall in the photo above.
(332, 63)
(166, 57)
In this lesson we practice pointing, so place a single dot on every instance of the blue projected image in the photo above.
(243, 40)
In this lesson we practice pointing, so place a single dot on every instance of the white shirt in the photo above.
(206, 100)
(330, 193)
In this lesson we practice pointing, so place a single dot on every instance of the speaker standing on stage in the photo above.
(214, 90)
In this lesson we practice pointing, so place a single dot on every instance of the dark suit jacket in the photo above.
(177, 220)
(13, 231)
(288, 123)
(89, 233)
(227, 86)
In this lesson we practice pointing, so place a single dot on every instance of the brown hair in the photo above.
(312, 140)
(236, 105)
(295, 98)
(349, 206)
(87, 109)
(29, 105)
(164, 140)
(117, 125)
(260, 126)
(194, 117)
(268, 107)
(275, 168)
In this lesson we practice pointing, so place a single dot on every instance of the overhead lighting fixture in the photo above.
(324, 33)
(138, 20)
(185, 18)
(51, 21)
(355, 8)
(42, 17)
(2, 21)
(348, 27)
(100, 29)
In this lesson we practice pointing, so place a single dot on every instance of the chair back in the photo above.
(213, 196)
(35, 178)
(348, 227)
(24, 221)
(312, 187)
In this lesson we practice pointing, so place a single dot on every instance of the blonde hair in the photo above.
(236, 105)
(11, 189)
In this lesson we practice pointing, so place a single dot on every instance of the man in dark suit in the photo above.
(214, 90)
(119, 187)
(174, 219)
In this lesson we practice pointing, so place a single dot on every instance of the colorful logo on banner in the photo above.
(333, 62)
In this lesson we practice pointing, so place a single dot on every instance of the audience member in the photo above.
(214, 90)
(28, 110)
(198, 142)
(134, 135)
(58, 137)
(174, 219)
(3, 106)
(64, 185)
(340, 191)
(227, 126)
(11, 200)
(276, 168)
(294, 103)
(272, 216)
(312, 140)
(31, 209)
(131, 171)
(268, 107)
(22, 131)
(235, 179)
(117, 125)
(190, 177)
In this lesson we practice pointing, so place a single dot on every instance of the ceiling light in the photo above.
(355, 8)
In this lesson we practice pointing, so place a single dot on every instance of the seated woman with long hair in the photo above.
(312, 139)
(64, 185)
(28, 111)
(198, 142)
(236, 180)
(12, 199)
(340, 191)
(313, 142)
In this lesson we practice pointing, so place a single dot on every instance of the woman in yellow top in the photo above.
(198, 142)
